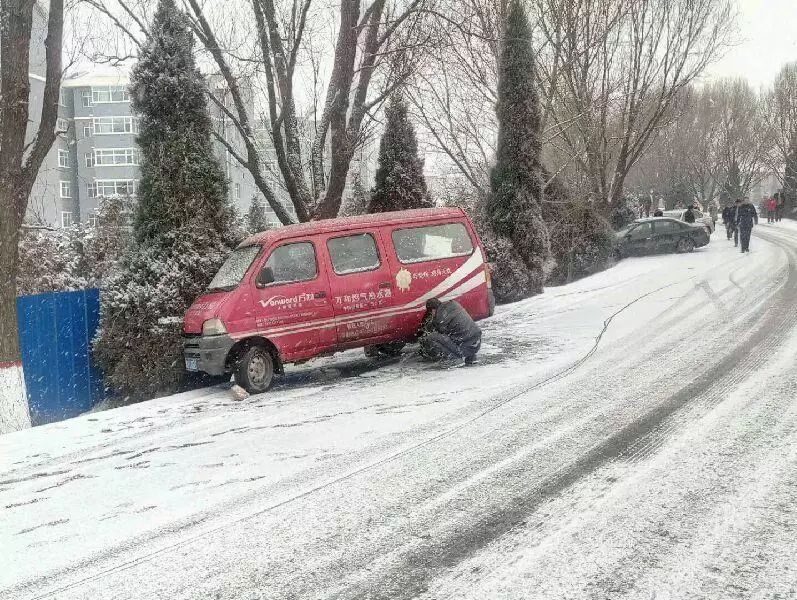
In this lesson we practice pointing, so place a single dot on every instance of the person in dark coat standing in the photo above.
(689, 215)
(746, 217)
(448, 332)
(735, 218)
(728, 218)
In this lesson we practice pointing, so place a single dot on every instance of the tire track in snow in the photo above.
(415, 571)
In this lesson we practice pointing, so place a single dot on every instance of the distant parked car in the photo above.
(701, 218)
(659, 235)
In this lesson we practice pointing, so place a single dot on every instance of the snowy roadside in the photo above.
(101, 485)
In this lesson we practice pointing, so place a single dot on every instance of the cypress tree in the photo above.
(256, 219)
(181, 180)
(183, 223)
(513, 209)
(400, 184)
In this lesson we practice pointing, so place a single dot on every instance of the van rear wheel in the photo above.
(255, 371)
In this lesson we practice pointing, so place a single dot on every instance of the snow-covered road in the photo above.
(632, 435)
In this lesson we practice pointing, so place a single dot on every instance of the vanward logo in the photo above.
(277, 301)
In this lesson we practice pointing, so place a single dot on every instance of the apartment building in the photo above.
(96, 156)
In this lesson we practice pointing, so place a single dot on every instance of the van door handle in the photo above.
(385, 285)
(319, 295)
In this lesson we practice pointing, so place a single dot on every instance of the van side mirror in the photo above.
(265, 277)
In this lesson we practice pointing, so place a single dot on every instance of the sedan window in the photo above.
(642, 232)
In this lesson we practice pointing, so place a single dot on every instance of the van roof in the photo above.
(347, 223)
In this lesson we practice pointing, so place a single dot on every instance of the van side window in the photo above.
(432, 242)
(293, 262)
(353, 253)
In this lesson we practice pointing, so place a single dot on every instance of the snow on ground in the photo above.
(598, 430)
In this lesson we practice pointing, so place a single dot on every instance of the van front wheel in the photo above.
(255, 371)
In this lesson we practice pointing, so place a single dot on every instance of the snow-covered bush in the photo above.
(141, 357)
(51, 261)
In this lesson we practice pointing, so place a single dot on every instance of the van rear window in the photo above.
(432, 242)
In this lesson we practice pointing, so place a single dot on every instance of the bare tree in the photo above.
(782, 116)
(371, 35)
(743, 137)
(612, 97)
(21, 155)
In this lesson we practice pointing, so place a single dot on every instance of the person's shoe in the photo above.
(469, 360)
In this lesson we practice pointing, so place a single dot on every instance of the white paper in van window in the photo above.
(434, 245)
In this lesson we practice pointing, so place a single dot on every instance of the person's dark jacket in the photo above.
(689, 216)
(727, 214)
(746, 216)
(452, 320)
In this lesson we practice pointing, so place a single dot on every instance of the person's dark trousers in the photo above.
(745, 234)
(736, 236)
(437, 346)
(770, 216)
(729, 230)
(778, 215)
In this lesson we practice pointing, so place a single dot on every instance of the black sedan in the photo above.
(659, 235)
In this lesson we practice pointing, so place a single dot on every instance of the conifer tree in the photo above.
(400, 184)
(182, 181)
(183, 223)
(256, 220)
(513, 209)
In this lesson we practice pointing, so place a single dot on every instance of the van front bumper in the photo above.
(207, 353)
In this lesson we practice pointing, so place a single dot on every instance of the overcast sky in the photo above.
(768, 38)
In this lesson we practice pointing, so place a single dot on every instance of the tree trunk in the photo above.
(14, 413)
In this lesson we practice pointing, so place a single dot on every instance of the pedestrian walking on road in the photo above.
(772, 207)
(449, 333)
(781, 205)
(689, 215)
(658, 213)
(728, 218)
(735, 220)
(746, 217)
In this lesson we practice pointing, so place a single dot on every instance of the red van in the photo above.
(297, 292)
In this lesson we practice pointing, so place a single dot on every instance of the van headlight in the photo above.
(213, 327)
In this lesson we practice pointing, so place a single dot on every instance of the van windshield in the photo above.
(234, 269)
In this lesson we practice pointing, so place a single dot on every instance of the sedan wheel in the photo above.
(686, 245)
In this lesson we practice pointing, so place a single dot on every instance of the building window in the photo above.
(63, 158)
(62, 98)
(91, 190)
(237, 191)
(61, 125)
(92, 219)
(85, 98)
(66, 218)
(66, 189)
(116, 156)
(109, 125)
(109, 93)
(89, 159)
(107, 188)
(87, 131)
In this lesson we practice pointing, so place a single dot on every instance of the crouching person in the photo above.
(448, 333)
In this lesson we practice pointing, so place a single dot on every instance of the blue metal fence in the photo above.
(55, 332)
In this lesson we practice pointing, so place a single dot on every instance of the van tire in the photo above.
(255, 370)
